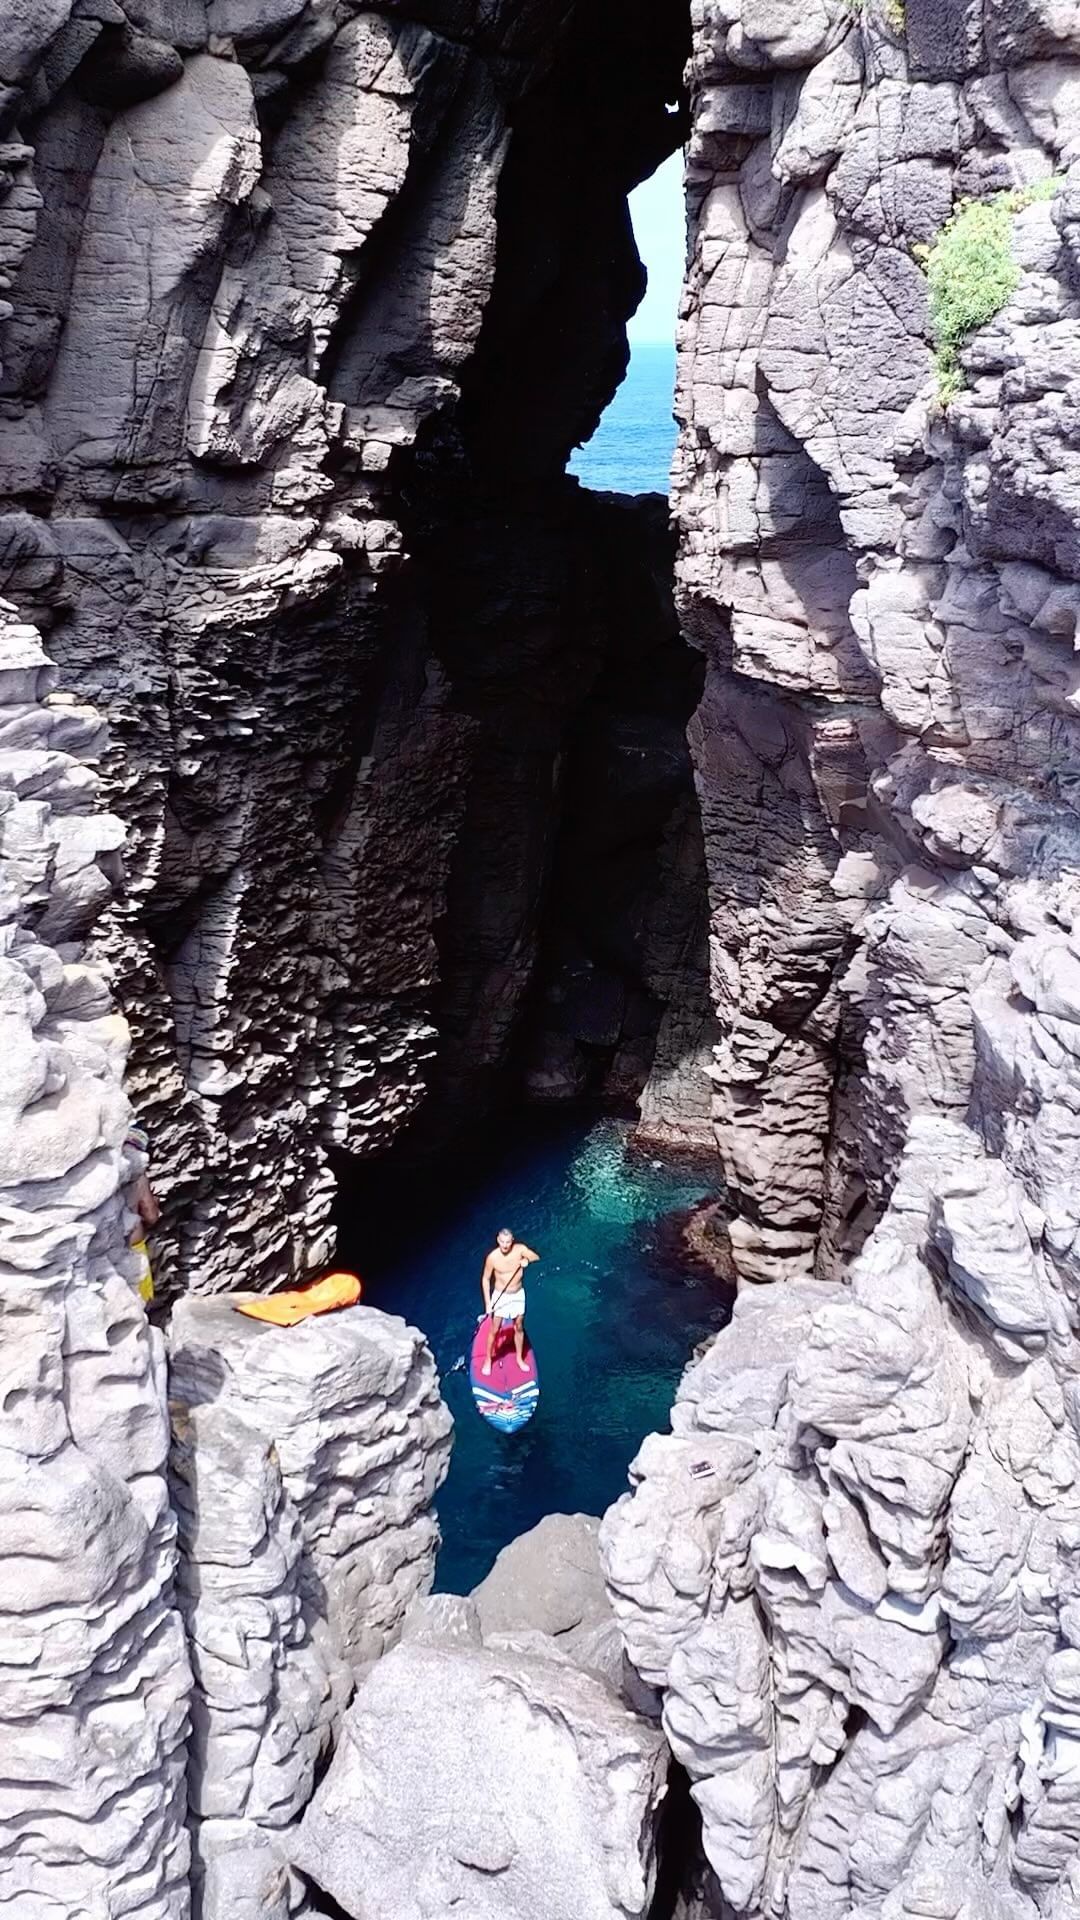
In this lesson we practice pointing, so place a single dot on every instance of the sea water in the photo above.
(631, 450)
(614, 1312)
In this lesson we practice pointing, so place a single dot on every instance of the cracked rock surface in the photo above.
(94, 1676)
(305, 1461)
(271, 270)
(850, 1568)
(500, 1782)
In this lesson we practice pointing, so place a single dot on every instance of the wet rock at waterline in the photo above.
(498, 1785)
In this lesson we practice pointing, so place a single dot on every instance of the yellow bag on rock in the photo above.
(144, 1284)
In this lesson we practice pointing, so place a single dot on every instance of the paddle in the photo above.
(459, 1363)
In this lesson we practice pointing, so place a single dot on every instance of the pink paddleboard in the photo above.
(506, 1397)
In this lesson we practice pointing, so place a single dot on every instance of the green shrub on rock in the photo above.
(891, 11)
(971, 273)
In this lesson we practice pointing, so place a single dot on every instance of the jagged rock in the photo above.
(847, 1569)
(126, 67)
(546, 1596)
(421, 1811)
(251, 317)
(852, 1488)
(250, 248)
(269, 1686)
(94, 1675)
(349, 1404)
(440, 1618)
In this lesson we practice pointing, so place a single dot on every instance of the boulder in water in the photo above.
(549, 1580)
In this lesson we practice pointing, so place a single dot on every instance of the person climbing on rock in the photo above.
(503, 1286)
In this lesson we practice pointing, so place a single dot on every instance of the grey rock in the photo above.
(126, 67)
(420, 1811)
(549, 1579)
(26, 30)
(944, 37)
(349, 1403)
(269, 1690)
(94, 1675)
(436, 1619)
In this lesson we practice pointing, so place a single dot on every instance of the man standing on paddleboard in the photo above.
(503, 1285)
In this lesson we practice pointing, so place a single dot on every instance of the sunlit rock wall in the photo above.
(93, 1668)
(885, 598)
(305, 1462)
(851, 1569)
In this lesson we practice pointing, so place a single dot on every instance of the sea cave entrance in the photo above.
(632, 448)
(571, 1025)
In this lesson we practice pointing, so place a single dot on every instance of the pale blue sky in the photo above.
(656, 208)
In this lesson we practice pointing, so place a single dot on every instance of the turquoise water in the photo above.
(613, 1310)
(631, 450)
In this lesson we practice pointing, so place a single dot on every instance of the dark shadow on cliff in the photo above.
(682, 1871)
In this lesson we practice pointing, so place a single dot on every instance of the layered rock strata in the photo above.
(261, 259)
(879, 591)
(305, 1461)
(94, 1677)
(849, 1569)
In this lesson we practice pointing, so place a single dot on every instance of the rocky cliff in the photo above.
(155, 1673)
(94, 1676)
(306, 306)
(851, 1567)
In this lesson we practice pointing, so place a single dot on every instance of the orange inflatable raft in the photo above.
(326, 1295)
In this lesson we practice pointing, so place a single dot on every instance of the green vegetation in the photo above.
(891, 11)
(971, 273)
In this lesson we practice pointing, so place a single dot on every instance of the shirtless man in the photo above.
(503, 1285)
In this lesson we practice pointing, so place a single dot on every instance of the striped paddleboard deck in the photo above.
(506, 1398)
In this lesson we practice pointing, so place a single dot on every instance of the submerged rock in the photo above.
(498, 1786)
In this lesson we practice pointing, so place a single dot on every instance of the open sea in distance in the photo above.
(631, 450)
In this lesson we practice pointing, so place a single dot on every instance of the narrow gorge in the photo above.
(363, 776)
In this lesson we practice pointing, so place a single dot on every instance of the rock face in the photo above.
(274, 270)
(500, 1785)
(849, 1570)
(549, 1579)
(307, 305)
(350, 1405)
(94, 1676)
(883, 747)
(305, 1460)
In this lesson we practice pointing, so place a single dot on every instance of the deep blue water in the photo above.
(631, 450)
(614, 1311)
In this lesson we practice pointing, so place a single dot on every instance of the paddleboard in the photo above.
(506, 1397)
